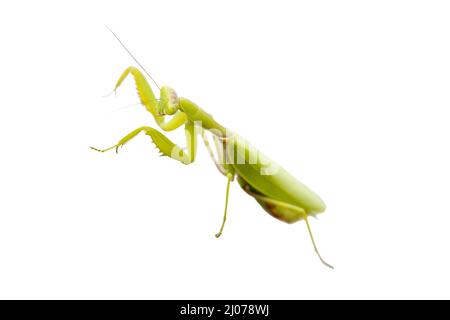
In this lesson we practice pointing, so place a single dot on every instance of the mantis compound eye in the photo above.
(169, 101)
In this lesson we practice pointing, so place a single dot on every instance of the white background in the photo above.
(352, 97)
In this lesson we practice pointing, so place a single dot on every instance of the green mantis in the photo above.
(277, 191)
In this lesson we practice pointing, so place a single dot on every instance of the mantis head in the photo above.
(169, 103)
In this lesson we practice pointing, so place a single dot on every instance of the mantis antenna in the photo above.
(140, 65)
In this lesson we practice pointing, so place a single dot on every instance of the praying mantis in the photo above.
(276, 190)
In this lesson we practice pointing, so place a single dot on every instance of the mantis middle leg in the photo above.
(220, 165)
(224, 168)
(229, 179)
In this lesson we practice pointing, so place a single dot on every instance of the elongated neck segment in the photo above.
(197, 114)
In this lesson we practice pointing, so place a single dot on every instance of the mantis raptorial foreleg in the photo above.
(165, 146)
(145, 92)
(148, 99)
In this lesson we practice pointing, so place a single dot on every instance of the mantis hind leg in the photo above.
(274, 205)
(164, 144)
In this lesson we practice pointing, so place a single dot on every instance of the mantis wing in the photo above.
(269, 179)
